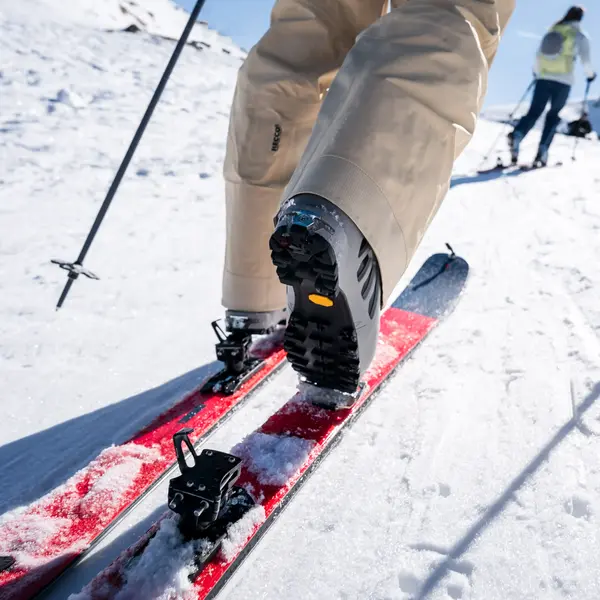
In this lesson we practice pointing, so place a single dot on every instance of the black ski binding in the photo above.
(204, 494)
(233, 349)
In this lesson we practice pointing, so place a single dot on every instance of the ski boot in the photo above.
(541, 158)
(254, 323)
(241, 354)
(514, 144)
(334, 292)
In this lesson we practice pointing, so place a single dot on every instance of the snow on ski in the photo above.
(44, 539)
(267, 468)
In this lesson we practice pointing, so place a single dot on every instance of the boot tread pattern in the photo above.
(321, 341)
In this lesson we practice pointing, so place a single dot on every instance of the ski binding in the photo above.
(204, 495)
(234, 351)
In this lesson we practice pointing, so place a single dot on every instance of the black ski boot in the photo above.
(334, 292)
(541, 158)
(514, 145)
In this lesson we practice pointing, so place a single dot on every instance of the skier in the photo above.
(554, 67)
(345, 125)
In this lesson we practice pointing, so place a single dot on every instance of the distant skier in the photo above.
(355, 163)
(554, 67)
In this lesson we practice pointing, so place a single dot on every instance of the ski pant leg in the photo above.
(558, 98)
(276, 102)
(402, 107)
(541, 97)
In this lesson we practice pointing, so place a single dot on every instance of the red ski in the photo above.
(226, 502)
(53, 533)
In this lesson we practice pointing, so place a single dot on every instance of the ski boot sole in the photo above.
(320, 340)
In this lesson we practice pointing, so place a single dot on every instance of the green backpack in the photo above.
(557, 51)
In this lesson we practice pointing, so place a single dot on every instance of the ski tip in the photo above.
(436, 287)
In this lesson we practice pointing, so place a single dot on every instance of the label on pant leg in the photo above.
(276, 138)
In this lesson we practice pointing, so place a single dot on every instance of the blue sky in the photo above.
(246, 20)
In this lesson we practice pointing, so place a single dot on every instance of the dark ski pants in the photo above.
(545, 91)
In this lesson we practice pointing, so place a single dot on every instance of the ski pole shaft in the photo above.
(523, 97)
(583, 110)
(585, 96)
(75, 271)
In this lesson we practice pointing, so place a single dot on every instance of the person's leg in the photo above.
(377, 166)
(541, 96)
(558, 98)
(403, 105)
(277, 98)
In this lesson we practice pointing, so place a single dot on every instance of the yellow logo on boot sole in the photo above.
(320, 300)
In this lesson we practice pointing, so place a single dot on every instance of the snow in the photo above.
(32, 532)
(474, 474)
(158, 17)
(56, 165)
(161, 572)
(240, 531)
(125, 464)
(332, 399)
(25, 533)
(273, 459)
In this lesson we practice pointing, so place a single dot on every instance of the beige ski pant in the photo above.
(403, 105)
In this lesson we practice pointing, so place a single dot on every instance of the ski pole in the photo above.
(583, 110)
(510, 118)
(75, 269)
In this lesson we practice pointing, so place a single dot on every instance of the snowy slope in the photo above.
(157, 17)
(474, 475)
(570, 112)
(66, 119)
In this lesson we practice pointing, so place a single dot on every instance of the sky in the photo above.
(246, 20)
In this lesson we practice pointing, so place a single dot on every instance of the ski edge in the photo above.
(335, 440)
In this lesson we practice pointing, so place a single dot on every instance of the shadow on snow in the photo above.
(482, 177)
(34, 465)
(496, 509)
